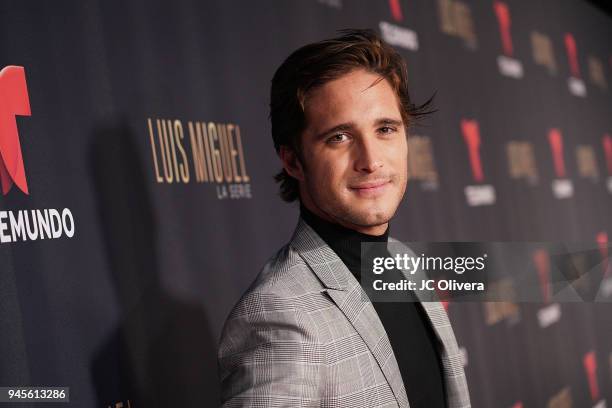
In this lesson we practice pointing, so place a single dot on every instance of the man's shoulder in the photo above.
(277, 306)
(284, 277)
(284, 271)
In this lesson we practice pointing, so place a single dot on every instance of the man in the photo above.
(305, 333)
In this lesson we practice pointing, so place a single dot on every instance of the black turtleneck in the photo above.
(412, 338)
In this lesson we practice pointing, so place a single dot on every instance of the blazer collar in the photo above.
(321, 258)
(328, 266)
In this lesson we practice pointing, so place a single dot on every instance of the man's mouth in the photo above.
(371, 188)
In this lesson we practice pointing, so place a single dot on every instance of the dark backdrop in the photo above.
(129, 310)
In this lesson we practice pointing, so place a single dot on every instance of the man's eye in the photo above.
(337, 138)
(386, 129)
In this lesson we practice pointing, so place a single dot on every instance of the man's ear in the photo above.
(291, 162)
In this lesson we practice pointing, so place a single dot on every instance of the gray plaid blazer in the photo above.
(305, 334)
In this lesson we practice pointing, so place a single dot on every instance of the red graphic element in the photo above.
(396, 10)
(590, 366)
(602, 243)
(503, 18)
(471, 135)
(572, 54)
(556, 146)
(607, 145)
(519, 404)
(13, 101)
(542, 262)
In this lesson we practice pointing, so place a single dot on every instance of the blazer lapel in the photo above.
(346, 292)
(455, 380)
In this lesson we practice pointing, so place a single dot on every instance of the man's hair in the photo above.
(318, 63)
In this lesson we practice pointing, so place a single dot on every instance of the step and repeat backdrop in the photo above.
(138, 200)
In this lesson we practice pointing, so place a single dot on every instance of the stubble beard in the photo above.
(341, 213)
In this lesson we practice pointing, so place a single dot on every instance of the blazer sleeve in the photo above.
(270, 355)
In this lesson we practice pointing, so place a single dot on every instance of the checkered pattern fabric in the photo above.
(305, 334)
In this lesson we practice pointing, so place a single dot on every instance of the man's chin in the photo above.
(370, 219)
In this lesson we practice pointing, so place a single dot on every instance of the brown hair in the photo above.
(318, 63)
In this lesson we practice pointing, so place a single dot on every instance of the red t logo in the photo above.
(590, 366)
(471, 135)
(13, 101)
(542, 263)
(556, 146)
(572, 54)
(503, 18)
(396, 10)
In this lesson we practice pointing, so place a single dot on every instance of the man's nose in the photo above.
(368, 155)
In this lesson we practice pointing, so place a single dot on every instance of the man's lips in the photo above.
(370, 184)
(371, 187)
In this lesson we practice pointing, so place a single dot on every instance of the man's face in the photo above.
(355, 152)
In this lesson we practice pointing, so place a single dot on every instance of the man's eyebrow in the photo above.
(389, 121)
(350, 125)
(337, 128)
